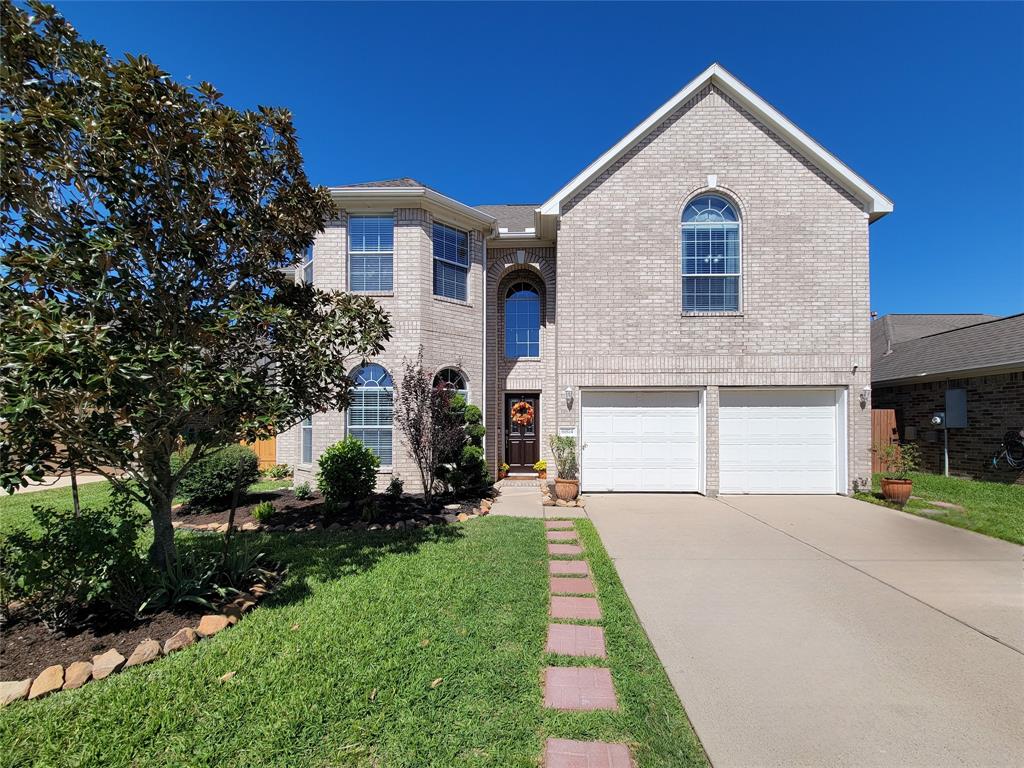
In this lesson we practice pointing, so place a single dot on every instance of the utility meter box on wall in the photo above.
(956, 408)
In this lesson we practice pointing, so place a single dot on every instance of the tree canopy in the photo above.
(147, 294)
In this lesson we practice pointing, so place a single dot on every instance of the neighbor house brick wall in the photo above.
(804, 316)
(995, 405)
(449, 332)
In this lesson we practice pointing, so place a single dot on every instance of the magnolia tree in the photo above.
(423, 413)
(148, 235)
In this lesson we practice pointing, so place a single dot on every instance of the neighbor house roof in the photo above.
(896, 328)
(514, 217)
(984, 347)
(875, 203)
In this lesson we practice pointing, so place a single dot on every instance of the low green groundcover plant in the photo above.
(348, 473)
(212, 480)
(262, 511)
(412, 649)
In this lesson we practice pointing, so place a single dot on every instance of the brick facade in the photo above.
(995, 405)
(611, 288)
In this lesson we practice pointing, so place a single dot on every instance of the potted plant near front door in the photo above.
(898, 461)
(567, 484)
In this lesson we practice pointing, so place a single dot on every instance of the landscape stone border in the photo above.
(56, 678)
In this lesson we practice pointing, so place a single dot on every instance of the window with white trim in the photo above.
(306, 432)
(453, 379)
(371, 251)
(307, 267)
(371, 413)
(522, 321)
(711, 256)
(451, 262)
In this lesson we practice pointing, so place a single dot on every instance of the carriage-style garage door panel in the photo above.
(641, 441)
(778, 441)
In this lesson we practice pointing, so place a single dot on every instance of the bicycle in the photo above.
(1011, 449)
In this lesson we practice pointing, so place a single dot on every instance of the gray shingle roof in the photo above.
(985, 344)
(514, 217)
(403, 182)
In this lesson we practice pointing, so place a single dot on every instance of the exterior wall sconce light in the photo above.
(568, 397)
(864, 394)
(520, 256)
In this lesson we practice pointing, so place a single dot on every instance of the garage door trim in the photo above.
(701, 426)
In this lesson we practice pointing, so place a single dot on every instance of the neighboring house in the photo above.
(915, 359)
(693, 306)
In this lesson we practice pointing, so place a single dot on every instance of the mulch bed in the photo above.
(292, 514)
(29, 647)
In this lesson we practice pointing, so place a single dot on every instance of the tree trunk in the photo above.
(74, 491)
(162, 552)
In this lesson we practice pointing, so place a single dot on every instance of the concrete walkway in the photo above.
(823, 631)
(522, 499)
(64, 481)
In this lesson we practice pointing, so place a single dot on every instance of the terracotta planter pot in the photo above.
(896, 490)
(567, 490)
(542, 474)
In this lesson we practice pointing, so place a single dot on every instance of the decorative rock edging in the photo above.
(56, 678)
(548, 500)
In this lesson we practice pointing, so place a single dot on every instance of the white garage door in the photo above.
(779, 441)
(641, 441)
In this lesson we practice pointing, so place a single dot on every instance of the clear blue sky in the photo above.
(505, 103)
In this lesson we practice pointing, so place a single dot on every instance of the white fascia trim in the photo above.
(875, 203)
(398, 195)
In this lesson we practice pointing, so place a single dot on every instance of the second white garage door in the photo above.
(641, 441)
(780, 441)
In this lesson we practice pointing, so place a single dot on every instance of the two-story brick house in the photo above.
(693, 306)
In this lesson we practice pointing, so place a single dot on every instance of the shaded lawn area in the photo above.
(420, 649)
(994, 509)
(16, 509)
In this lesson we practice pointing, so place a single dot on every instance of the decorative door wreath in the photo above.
(522, 413)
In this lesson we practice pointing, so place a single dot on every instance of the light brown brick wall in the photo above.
(450, 332)
(805, 306)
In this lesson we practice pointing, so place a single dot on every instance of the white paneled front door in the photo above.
(646, 440)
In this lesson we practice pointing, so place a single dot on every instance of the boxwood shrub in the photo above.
(348, 473)
(211, 481)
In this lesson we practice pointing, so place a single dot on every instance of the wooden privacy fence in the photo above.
(266, 450)
(883, 432)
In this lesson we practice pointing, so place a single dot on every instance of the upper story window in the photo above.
(452, 379)
(372, 409)
(371, 250)
(451, 262)
(307, 267)
(522, 321)
(711, 256)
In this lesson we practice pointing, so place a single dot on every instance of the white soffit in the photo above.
(875, 203)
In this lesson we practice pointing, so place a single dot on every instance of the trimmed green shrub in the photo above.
(262, 511)
(211, 480)
(348, 473)
(303, 491)
(76, 562)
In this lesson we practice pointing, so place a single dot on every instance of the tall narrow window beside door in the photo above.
(307, 440)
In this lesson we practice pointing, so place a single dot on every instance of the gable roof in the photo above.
(405, 181)
(986, 346)
(875, 203)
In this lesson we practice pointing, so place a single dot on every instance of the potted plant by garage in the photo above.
(541, 468)
(898, 461)
(567, 484)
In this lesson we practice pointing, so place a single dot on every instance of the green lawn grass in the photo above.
(16, 509)
(338, 668)
(995, 509)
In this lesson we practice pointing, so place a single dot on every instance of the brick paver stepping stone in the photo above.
(576, 640)
(564, 753)
(579, 688)
(565, 549)
(558, 525)
(561, 535)
(571, 585)
(575, 608)
(568, 568)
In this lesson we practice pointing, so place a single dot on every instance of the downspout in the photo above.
(483, 347)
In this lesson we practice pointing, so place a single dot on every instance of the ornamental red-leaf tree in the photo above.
(149, 236)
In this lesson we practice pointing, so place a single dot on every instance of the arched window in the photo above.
(453, 379)
(522, 321)
(371, 413)
(711, 256)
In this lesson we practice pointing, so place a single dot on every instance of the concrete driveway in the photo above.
(824, 631)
